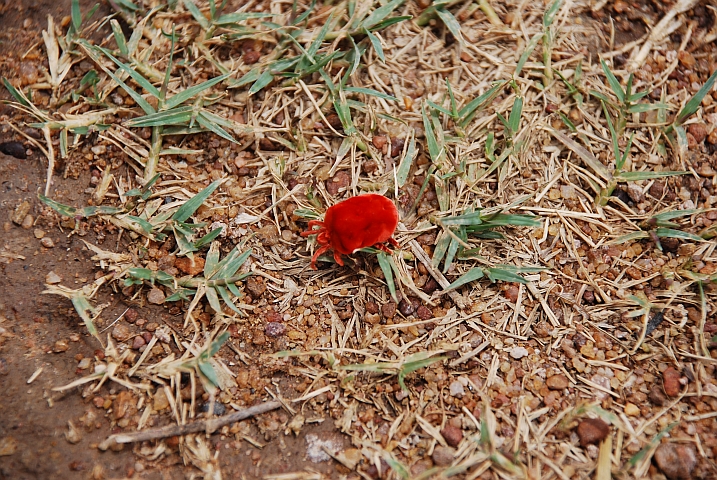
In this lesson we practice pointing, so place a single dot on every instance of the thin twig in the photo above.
(207, 425)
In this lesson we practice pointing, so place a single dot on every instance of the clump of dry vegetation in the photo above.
(550, 311)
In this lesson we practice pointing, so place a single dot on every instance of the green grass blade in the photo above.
(144, 105)
(120, 39)
(635, 176)
(197, 14)
(239, 17)
(385, 264)
(376, 43)
(671, 233)
(451, 253)
(526, 54)
(451, 23)
(190, 92)
(19, 97)
(380, 14)
(191, 205)
(76, 15)
(471, 275)
(691, 107)
(208, 238)
(515, 114)
(613, 81)
(549, 15)
(177, 116)
(405, 166)
(497, 273)
(412, 365)
(212, 126)
(646, 107)
(466, 113)
(371, 92)
(136, 76)
(629, 237)
(262, 81)
(613, 137)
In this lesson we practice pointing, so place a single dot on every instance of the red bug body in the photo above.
(358, 222)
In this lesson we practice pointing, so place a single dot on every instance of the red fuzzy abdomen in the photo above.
(360, 222)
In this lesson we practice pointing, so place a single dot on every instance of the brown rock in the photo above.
(388, 310)
(371, 307)
(60, 346)
(155, 296)
(339, 181)
(698, 130)
(557, 382)
(657, 396)
(124, 404)
(190, 266)
(160, 401)
(275, 329)
(379, 141)
(131, 315)
(591, 431)
(406, 307)
(453, 435)
(138, 342)
(511, 292)
(28, 222)
(20, 213)
(121, 332)
(397, 145)
(676, 461)
(47, 242)
(424, 313)
(442, 456)
(256, 286)
(251, 57)
(671, 382)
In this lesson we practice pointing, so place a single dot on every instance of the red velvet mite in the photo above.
(358, 222)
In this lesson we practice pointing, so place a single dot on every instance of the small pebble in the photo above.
(121, 332)
(60, 346)
(131, 315)
(592, 431)
(676, 461)
(453, 435)
(557, 382)
(186, 265)
(456, 389)
(14, 149)
(671, 382)
(20, 212)
(406, 307)
(388, 310)
(47, 242)
(519, 352)
(443, 456)
(138, 342)
(632, 410)
(28, 222)
(39, 233)
(155, 296)
(52, 278)
(275, 329)
(84, 364)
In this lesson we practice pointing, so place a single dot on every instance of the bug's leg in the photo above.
(393, 242)
(311, 230)
(337, 257)
(383, 248)
(317, 253)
